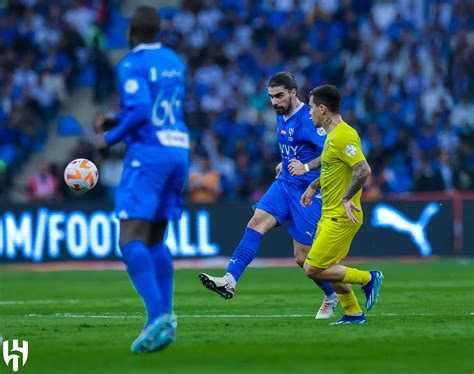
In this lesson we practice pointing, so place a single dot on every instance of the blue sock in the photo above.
(141, 271)
(326, 287)
(244, 253)
(164, 273)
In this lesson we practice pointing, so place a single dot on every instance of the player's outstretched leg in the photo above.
(160, 333)
(241, 258)
(219, 285)
(372, 289)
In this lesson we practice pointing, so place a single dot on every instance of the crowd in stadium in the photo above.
(44, 46)
(404, 67)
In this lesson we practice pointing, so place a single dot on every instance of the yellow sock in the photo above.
(356, 276)
(349, 303)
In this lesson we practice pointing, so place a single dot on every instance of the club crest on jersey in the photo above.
(351, 150)
(321, 131)
(131, 86)
(291, 131)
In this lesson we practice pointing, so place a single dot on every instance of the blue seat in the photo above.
(87, 77)
(116, 32)
(69, 126)
(167, 12)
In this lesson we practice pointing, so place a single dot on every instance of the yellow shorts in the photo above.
(332, 243)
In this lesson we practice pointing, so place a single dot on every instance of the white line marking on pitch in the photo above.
(62, 301)
(21, 302)
(78, 315)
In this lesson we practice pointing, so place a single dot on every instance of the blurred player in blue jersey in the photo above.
(152, 84)
(300, 148)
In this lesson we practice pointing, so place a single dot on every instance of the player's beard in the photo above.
(283, 111)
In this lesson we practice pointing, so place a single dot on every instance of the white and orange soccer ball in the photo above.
(81, 175)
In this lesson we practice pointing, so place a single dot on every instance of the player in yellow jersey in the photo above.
(344, 171)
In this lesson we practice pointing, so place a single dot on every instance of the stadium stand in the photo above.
(405, 68)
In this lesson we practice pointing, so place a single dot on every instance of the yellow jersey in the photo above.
(342, 150)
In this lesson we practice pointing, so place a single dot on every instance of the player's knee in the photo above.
(123, 241)
(312, 272)
(256, 224)
(128, 236)
(300, 252)
(133, 230)
(300, 260)
(253, 224)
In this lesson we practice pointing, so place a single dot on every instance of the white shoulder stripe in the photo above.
(143, 46)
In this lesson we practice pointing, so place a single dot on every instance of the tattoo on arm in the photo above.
(314, 164)
(360, 172)
(315, 184)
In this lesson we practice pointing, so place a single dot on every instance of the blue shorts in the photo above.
(152, 192)
(282, 201)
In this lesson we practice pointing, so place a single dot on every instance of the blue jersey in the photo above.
(299, 139)
(151, 79)
(152, 87)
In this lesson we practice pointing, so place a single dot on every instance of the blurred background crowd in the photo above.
(404, 67)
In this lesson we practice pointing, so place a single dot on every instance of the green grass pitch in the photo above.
(84, 322)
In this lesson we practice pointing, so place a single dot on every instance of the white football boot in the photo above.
(328, 308)
(219, 285)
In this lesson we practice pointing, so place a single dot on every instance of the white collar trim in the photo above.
(143, 46)
(287, 117)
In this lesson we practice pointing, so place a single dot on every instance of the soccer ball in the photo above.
(81, 175)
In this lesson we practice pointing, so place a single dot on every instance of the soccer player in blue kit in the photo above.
(152, 85)
(300, 148)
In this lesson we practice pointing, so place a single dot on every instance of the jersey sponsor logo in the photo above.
(131, 86)
(171, 73)
(173, 138)
(350, 150)
(288, 150)
(320, 131)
